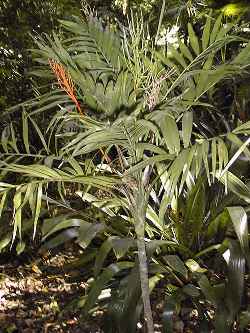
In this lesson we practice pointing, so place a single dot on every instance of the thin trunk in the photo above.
(143, 265)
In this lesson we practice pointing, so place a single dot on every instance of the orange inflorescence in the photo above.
(67, 85)
(65, 82)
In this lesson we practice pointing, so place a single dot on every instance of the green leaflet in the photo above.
(17, 201)
(88, 231)
(2, 202)
(234, 288)
(206, 32)
(176, 264)
(243, 56)
(171, 134)
(5, 242)
(100, 283)
(216, 28)
(239, 219)
(38, 207)
(194, 215)
(53, 226)
(185, 51)
(101, 255)
(25, 132)
(193, 39)
(187, 126)
(120, 247)
(235, 185)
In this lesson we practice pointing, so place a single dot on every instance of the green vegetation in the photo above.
(137, 150)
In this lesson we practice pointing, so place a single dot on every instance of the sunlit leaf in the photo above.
(194, 266)
(239, 219)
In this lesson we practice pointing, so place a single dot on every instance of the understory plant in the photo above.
(135, 163)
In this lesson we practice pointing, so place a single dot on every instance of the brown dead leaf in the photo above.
(36, 269)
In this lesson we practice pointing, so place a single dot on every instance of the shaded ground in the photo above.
(35, 293)
(33, 296)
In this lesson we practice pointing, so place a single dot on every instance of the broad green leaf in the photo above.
(214, 157)
(13, 142)
(63, 237)
(125, 306)
(225, 28)
(20, 247)
(208, 290)
(121, 246)
(235, 283)
(38, 206)
(63, 223)
(198, 159)
(153, 217)
(169, 311)
(149, 161)
(191, 290)
(17, 201)
(39, 132)
(222, 154)
(244, 319)
(176, 264)
(194, 266)
(238, 143)
(88, 231)
(193, 39)
(187, 126)
(171, 134)
(236, 156)
(2, 202)
(185, 50)
(239, 219)
(235, 185)
(34, 170)
(186, 169)
(164, 206)
(102, 255)
(194, 215)
(205, 151)
(203, 82)
(157, 243)
(25, 132)
(243, 57)
(176, 170)
(5, 242)
(100, 283)
(5, 138)
(207, 250)
(206, 32)
(215, 29)
(50, 223)
(177, 56)
(218, 225)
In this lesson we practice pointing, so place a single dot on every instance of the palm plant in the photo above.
(146, 138)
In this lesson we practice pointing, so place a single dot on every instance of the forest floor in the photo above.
(36, 291)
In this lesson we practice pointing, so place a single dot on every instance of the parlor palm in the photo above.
(144, 135)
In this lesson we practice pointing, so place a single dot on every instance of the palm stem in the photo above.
(143, 269)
